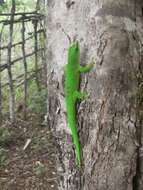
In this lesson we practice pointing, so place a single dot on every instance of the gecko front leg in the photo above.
(86, 68)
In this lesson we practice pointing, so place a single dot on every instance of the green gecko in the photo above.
(72, 94)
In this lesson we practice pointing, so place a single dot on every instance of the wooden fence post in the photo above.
(36, 53)
(0, 78)
(0, 89)
(11, 87)
(25, 68)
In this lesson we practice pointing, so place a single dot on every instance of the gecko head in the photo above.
(74, 52)
(75, 46)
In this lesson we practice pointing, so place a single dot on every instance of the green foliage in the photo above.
(37, 99)
(3, 156)
(42, 40)
(3, 7)
(18, 93)
(25, 4)
(5, 139)
(5, 136)
(5, 97)
(20, 5)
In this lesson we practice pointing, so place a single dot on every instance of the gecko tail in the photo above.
(73, 127)
(76, 144)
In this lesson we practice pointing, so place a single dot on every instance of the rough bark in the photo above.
(110, 121)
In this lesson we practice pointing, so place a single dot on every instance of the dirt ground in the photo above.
(28, 159)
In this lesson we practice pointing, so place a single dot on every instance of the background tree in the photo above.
(110, 121)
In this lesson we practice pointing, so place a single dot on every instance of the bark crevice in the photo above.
(138, 178)
(137, 175)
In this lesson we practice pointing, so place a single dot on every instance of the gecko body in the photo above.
(72, 93)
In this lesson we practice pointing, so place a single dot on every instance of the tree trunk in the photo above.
(110, 120)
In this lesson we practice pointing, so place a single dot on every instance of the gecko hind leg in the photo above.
(88, 67)
(80, 95)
